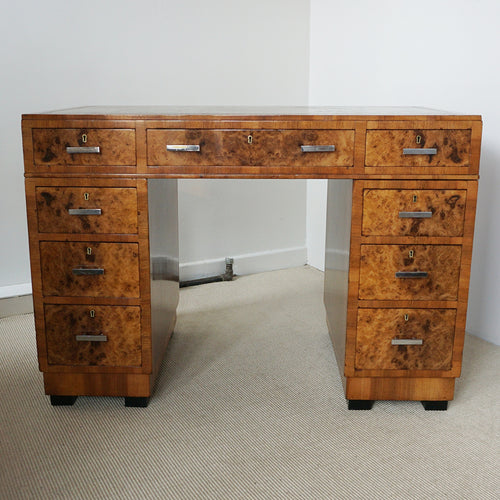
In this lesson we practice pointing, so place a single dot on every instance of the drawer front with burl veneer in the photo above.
(413, 212)
(86, 210)
(405, 339)
(92, 147)
(409, 272)
(79, 335)
(90, 269)
(418, 148)
(288, 148)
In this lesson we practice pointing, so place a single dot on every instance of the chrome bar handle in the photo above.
(420, 151)
(82, 149)
(84, 211)
(407, 342)
(411, 274)
(415, 215)
(87, 271)
(91, 338)
(184, 148)
(317, 149)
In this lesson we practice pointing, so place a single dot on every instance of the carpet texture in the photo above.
(248, 404)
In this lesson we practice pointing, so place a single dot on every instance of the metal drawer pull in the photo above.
(415, 215)
(420, 151)
(91, 338)
(184, 148)
(82, 149)
(84, 211)
(317, 149)
(411, 274)
(407, 341)
(85, 271)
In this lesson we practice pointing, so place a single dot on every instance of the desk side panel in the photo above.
(338, 235)
(164, 263)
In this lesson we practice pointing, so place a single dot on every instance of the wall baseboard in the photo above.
(250, 263)
(10, 291)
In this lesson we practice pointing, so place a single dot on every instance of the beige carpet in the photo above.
(248, 404)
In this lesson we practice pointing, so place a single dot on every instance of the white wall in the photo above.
(60, 53)
(441, 54)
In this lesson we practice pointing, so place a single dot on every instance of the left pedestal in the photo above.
(105, 287)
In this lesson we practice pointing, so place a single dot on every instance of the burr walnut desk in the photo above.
(101, 189)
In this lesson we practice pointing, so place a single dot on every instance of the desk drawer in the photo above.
(405, 339)
(80, 335)
(250, 147)
(409, 272)
(93, 147)
(90, 269)
(86, 210)
(418, 148)
(419, 212)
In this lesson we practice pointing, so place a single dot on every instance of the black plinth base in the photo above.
(360, 404)
(136, 402)
(62, 400)
(435, 405)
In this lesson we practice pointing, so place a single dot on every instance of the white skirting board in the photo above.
(250, 263)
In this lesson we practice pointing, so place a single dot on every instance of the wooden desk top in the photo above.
(253, 112)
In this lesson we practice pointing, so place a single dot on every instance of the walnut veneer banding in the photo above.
(377, 328)
(384, 148)
(381, 209)
(379, 263)
(117, 147)
(121, 326)
(265, 148)
(118, 210)
(120, 262)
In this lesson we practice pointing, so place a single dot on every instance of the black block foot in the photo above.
(360, 404)
(136, 402)
(435, 405)
(62, 400)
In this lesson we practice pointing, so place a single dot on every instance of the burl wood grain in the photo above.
(377, 327)
(118, 210)
(117, 146)
(121, 325)
(267, 147)
(384, 148)
(379, 263)
(381, 208)
(120, 262)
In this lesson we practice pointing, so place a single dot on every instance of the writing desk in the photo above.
(101, 189)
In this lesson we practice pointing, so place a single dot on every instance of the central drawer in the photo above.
(80, 335)
(90, 269)
(195, 147)
(405, 339)
(86, 210)
(413, 212)
(409, 272)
